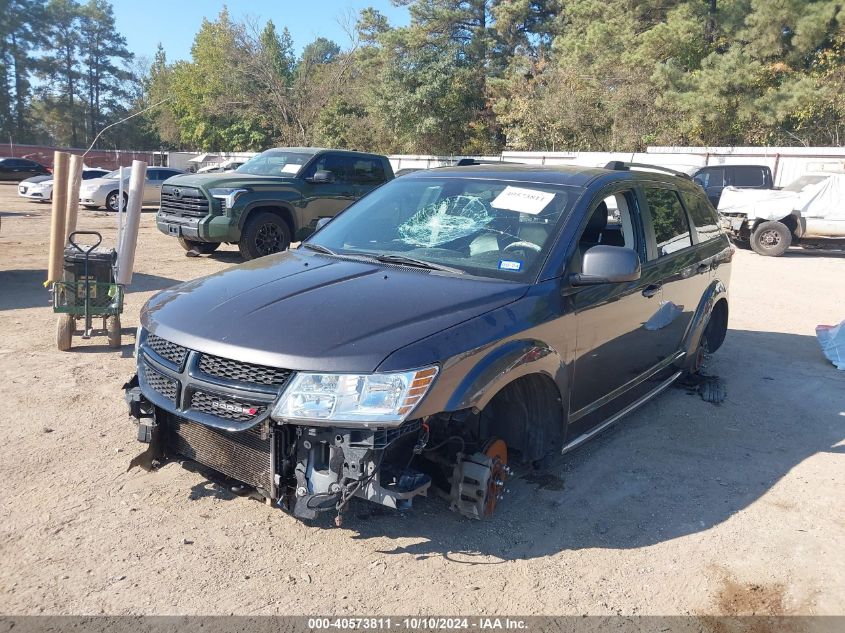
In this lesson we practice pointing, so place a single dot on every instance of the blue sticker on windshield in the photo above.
(506, 264)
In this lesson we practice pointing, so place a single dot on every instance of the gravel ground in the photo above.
(684, 507)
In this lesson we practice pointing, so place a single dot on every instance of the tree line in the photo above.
(66, 73)
(463, 77)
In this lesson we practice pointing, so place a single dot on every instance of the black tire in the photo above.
(64, 332)
(771, 239)
(264, 234)
(111, 201)
(205, 248)
(113, 330)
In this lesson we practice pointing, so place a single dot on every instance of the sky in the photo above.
(174, 23)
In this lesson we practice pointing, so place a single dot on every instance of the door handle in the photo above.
(651, 290)
(702, 268)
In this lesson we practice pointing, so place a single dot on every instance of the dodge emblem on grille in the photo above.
(233, 408)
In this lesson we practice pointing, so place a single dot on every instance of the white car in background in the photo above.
(40, 188)
(103, 192)
(226, 165)
(809, 212)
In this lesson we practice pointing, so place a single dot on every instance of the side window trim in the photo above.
(647, 219)
(636, 218)
(693, 229)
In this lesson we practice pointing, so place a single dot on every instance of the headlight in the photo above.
(227, 194)
(356, 398)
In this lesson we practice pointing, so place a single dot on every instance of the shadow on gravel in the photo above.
(677, 466)
(25, 288)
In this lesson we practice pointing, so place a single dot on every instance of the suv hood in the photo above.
(305, 311)
(224, 179)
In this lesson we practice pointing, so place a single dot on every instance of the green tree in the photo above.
(105, 76)
(19, 38)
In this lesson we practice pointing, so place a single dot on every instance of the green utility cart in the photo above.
(87, 290)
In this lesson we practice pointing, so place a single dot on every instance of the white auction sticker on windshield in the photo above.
(522, 200)
(290, 168)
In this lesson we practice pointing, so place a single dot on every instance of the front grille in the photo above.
(160, 384)
(226, 408)
(183, 201)
(167, 350)
(243, 456)
(243, 372)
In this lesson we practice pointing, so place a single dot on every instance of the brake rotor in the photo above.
(497, 451)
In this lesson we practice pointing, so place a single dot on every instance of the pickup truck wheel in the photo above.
(771, 238)
(264, 234)
(205, 248)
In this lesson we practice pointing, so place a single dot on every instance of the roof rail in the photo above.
(618, 165)
(463, 162)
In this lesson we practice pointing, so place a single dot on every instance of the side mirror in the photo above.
(699, 181)
(607, 265)
(321, 176)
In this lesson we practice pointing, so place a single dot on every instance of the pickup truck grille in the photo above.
(183, 201)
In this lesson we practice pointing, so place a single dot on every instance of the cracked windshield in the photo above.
(487, 228)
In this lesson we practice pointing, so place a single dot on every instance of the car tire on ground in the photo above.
(771, 238)
(206, 248)
(264, 234)
(111, 201)
(64, 332)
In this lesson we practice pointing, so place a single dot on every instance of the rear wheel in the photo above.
(64, 332)
(771, 238)
(264, 234)
(204, 248)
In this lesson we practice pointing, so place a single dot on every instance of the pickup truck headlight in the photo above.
(227, 194)
(355, 398)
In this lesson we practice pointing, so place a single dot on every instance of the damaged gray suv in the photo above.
(448, 325)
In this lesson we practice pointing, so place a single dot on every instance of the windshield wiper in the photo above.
(392, 258)
(318, 248)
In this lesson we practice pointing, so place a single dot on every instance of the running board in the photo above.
(586, 436)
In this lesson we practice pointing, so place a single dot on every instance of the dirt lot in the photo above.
(684, 507)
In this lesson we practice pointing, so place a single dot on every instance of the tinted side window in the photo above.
(711, 177)
(749, 177)
(703, 216)
(340, 166)
(367, 171)
(671, 229)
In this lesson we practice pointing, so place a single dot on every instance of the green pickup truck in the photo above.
(273, 198)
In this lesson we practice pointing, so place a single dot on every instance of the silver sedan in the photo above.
(103, 192)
